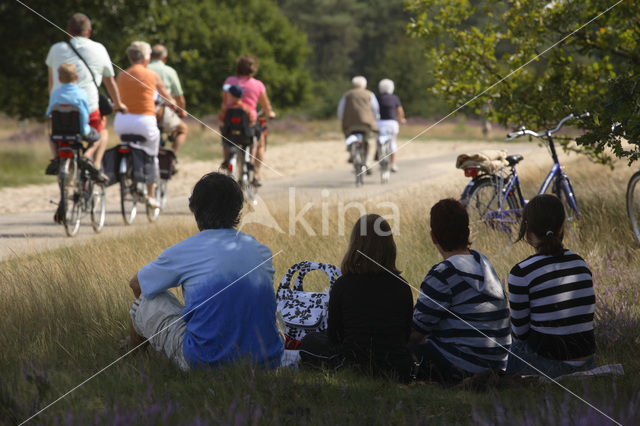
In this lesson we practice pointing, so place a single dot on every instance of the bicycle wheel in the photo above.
(70, 196)
(246, 176)
(128, 196)
(154, 213)
(485, 215)
(564, 191)
(163, 185)
(633, 204)
(358, 164)
(385, 172)
(98, 207)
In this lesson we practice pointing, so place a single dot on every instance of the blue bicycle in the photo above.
(495, 198)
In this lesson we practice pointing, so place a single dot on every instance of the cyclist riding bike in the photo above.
(70, 94)
(137, 86)
(391, 115)
(254, 92)
(169, 120)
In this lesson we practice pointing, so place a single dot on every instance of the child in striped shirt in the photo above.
(461, 318)
(551, 297)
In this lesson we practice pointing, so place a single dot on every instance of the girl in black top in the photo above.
(370, 306)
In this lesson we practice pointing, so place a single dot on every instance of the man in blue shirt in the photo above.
(69, 93)
(227, 282)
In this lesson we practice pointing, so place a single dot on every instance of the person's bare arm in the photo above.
(266, 105)
(182, 103)
(112, 89)
(50, 79)
(135, 286)
(400, 113)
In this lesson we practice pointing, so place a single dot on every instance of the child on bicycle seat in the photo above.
(235, 92)
(71, 94)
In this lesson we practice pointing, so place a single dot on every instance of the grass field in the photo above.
(65, 311)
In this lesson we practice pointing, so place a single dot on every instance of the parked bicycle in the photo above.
(358, 153)
(132, 188)
(79, 194)
(496, 200)
(633, 204)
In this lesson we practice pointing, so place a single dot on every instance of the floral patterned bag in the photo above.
(303, 311)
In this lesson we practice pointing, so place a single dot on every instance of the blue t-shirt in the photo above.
(230, 306)
(72, 94)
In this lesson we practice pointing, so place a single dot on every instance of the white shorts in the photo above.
(170, 120)
(391, 128)
(160, 321)
(138, 124)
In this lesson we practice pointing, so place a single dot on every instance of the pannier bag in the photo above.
(167, 163)
(304, 312)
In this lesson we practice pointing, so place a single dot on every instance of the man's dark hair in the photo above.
(450, 224)
(79, 25)
(216, 202)
(247, 65)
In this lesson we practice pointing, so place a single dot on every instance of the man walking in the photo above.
(98, 66)
(170, 120)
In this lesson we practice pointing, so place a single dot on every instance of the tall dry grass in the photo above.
(64, 312)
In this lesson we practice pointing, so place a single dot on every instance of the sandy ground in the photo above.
(282, 161)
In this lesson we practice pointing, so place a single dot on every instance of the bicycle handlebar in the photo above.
(523, 131)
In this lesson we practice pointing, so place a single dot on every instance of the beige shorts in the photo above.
(170, 120)
(160, 321)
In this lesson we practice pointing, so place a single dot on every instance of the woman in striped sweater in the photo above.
(551, 298)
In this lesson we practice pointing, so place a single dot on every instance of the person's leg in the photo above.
(316, 351)
(179, 136)
(159, 320)
(259, 152)
(524, 360)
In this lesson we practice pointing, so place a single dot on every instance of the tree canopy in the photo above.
(204, 38)
(548, 58)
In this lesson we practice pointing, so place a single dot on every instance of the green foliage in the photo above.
(204, 39)
(489, 50)
(367, 37)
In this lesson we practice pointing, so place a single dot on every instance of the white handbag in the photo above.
(304, 311)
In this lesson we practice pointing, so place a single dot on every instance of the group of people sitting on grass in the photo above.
(462, 323)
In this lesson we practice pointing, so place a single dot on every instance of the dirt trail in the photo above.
(26, 213)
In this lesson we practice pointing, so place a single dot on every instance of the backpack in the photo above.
(236, 126)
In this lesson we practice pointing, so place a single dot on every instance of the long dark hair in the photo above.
(544, 217)
(372, 249)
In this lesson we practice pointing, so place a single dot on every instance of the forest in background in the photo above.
(308, 50)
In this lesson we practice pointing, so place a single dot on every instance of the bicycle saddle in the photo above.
(128, 137)
(514, 159)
